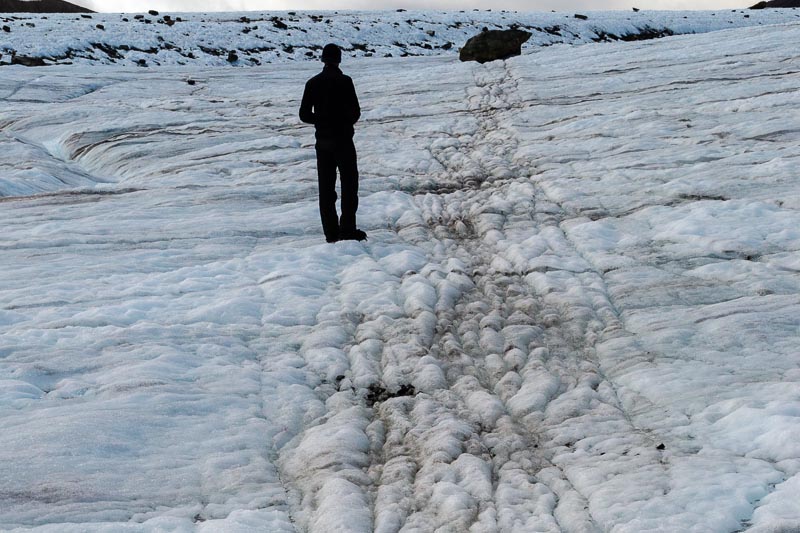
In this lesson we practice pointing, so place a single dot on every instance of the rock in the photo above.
(41, 6)
(109, 50)
(777, 4)
(191, 82)
(581, 17)
(153, 12)
(635, 9)
(27, 61)
(647, 33)
(6, 29)
(100, 27)
(491, 45)
(377, 393)
(233, 57)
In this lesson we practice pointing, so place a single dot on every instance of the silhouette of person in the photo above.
(331, 105)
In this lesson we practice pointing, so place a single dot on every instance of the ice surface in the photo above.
(207, 39)
(577, 309)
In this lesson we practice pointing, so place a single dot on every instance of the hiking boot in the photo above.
(353, 235)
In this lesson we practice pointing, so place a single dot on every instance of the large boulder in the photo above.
(490, 45)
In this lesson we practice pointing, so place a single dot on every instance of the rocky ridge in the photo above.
(40, 6)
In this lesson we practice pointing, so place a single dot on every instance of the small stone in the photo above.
(100, 27)
(6, 29)
(191, 82)
(581, 17)
(153, 12)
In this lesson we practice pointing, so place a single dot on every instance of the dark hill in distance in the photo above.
(776, 3)
(40, 6)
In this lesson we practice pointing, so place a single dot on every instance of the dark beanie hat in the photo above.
(331, 54)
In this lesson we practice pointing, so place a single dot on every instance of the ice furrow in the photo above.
(465, 375)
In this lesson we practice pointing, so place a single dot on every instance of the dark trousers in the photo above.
(339, 154)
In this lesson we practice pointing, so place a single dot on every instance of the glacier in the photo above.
(577, 310)
(253, 38)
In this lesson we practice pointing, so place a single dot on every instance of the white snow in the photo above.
(577, 309)
(205, 39)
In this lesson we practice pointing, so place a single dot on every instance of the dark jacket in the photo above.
(330, 104)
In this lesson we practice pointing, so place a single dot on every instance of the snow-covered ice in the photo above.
(208, 39)
(577, 310)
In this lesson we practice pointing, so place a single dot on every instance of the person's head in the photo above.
(331, 55)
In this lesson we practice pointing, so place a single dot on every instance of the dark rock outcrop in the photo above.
(776, 3)
(491, 45)
(27, 61)
(40, 6)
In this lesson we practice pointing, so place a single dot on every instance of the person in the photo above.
(330, 103)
